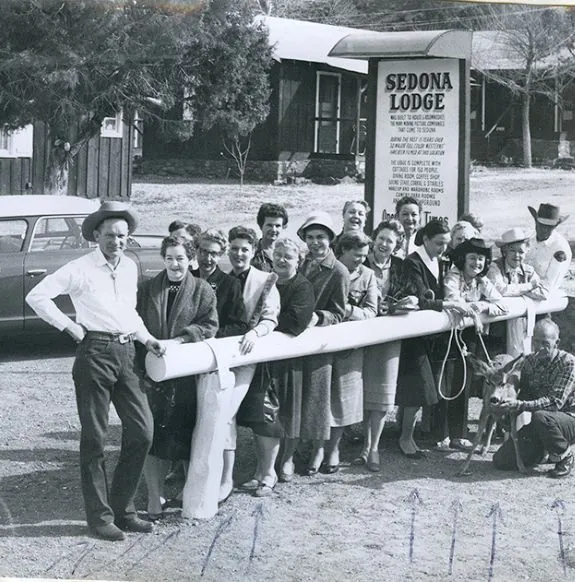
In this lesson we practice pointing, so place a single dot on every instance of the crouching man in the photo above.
(102, 286)
(547, 390)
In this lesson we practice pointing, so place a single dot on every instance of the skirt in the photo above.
(316, 397)
(289, 378)
(380, 370)
(415, 383)
(174, 405)
(347, 388)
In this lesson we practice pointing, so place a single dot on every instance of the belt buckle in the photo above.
(123, 338)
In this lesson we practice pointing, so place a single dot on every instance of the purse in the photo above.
(261, 403)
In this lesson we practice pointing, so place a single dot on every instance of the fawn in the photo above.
(500, 381)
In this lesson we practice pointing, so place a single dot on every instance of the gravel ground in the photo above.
(353, 525)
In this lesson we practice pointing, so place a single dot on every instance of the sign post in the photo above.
(418, 120)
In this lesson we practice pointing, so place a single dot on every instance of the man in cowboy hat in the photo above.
(550, 253)
(102, 286)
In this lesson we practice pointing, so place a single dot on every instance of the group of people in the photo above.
(277, 283)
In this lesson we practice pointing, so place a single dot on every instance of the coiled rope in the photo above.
(456, 334)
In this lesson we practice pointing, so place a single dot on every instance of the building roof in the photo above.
(300, 40)
(492, 50)
(45, 205)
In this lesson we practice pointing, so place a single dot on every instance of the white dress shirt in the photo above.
(551, 259)
(104, 297)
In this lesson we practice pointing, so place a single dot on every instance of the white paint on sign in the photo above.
(417, 137)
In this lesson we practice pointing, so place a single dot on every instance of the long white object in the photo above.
(198, 358)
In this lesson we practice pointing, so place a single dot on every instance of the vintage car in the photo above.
(39, 234)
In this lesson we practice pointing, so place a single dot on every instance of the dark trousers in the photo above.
(549, 431)
(105, 371)
(449, 417)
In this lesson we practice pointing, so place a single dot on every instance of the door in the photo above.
(12, 237)
(327, 108)
(55, 241)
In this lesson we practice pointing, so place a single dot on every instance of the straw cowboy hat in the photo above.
(471, 245)
(319, 218)
(548, 214)
(513, 235)
(108, 209)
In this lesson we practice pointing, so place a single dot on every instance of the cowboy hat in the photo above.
(513, 235)
(108, 209)
(471, 245)
(320, 219)
(548, 214)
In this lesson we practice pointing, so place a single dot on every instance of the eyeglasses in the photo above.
(207, 253)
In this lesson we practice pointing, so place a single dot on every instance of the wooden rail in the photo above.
(198, 358)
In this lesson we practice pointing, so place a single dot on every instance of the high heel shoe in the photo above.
(416, 455)
(373, 463)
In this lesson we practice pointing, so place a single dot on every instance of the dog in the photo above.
(500, 382)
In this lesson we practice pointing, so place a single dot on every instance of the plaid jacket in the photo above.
(548, 384)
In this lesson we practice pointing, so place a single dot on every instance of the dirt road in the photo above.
(399, 525)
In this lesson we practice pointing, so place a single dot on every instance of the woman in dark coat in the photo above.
(297, 305)
(181, 308)
(211, 245)
(423, 277)
(330, 282)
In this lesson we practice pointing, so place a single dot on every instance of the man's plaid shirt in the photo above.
(548, 384)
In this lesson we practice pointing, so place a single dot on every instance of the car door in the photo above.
(55, 241)
(12, 238)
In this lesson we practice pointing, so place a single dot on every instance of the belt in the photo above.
(121, 338)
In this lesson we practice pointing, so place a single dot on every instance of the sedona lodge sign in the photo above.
(417, 137)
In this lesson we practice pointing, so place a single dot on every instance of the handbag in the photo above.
(261, 403)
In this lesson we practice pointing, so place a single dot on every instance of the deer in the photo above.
(500, 382)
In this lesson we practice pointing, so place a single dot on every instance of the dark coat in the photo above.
(283, 383)
(416, 381)
(193, 316)
(230, 303)
(418, 280)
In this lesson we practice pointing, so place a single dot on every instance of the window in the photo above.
(5, 142)
(58, 233)
(112, 126)
(12, 235)
(138, 132)
(477, 103)
(327, 107)
(16, 143)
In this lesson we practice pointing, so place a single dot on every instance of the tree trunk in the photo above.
(56, 168)
(56, 177)
(526, 127)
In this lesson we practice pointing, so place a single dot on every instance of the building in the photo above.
(316, 125)
(317, 121)
(101, 169)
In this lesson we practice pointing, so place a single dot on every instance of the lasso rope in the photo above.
(456, 332)
(462, 349)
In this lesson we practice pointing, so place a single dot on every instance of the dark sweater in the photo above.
(297, 305)
(230, 303)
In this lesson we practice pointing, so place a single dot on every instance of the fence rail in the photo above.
(198, 358)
